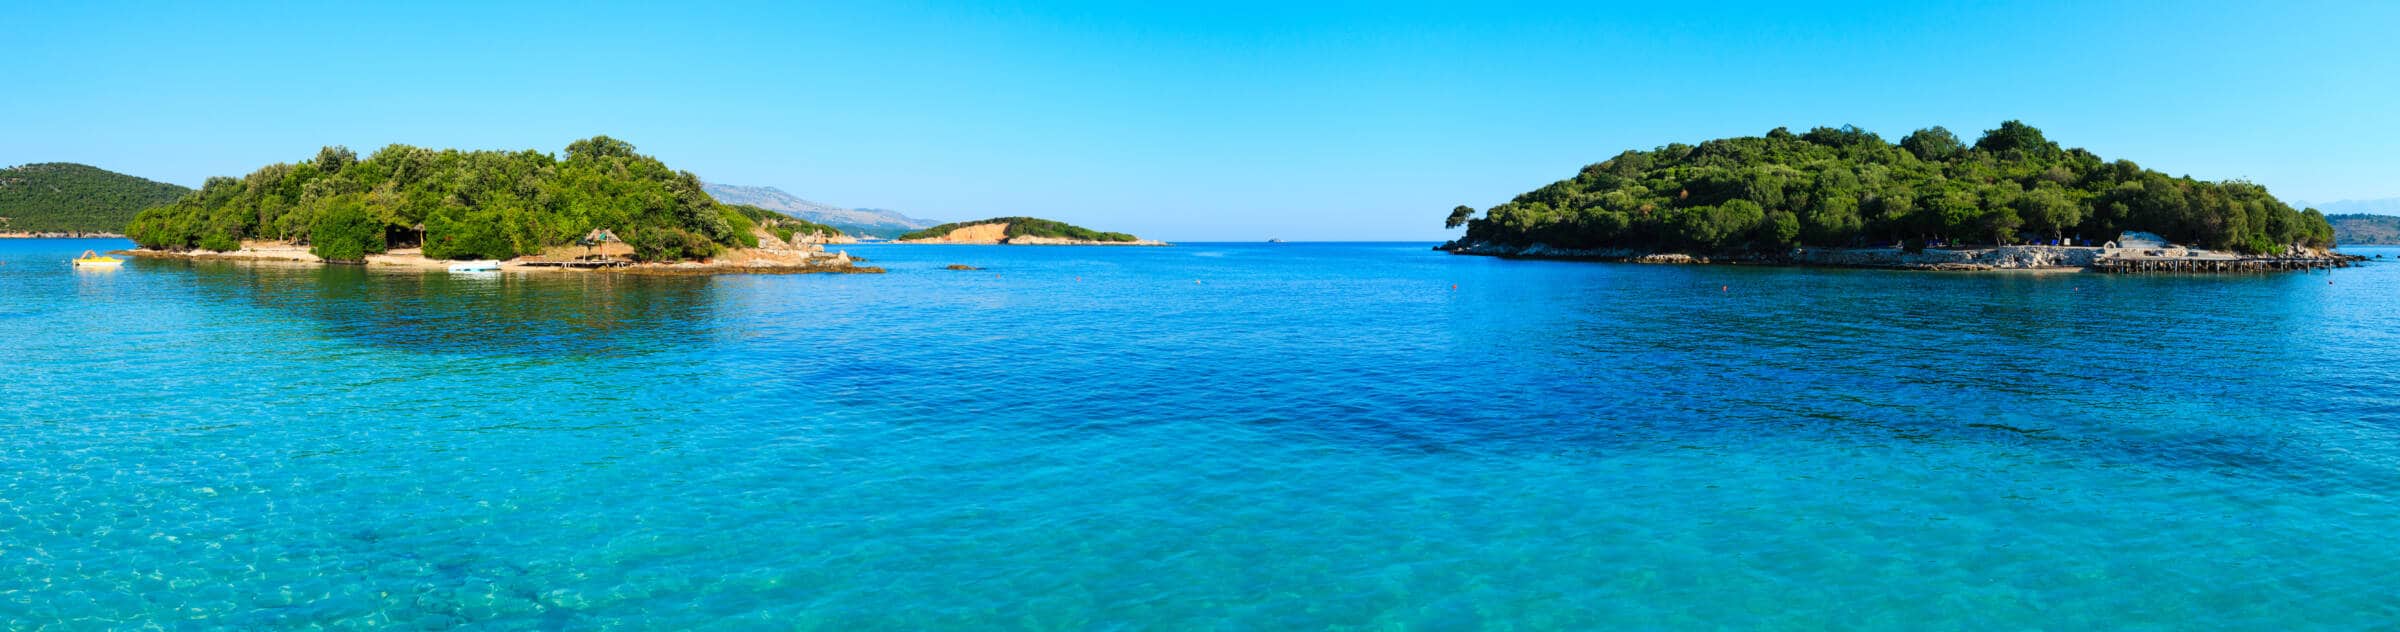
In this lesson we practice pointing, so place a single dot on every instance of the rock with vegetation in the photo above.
(1848, 188)
(1020, 231)
(460, 205)
(960, 266)
(784, 227)
(2365, 230)
(62, 197)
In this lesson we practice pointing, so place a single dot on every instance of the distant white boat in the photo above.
(475, 266)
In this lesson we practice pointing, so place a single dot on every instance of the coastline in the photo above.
(62, 234)
(1030, 241)
(740, 261)
(2052, 259)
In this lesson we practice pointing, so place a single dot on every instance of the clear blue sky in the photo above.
(1196, 121)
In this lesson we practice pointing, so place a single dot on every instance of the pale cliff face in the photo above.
(976, 234)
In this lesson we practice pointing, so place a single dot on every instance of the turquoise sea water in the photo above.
(1250, 436)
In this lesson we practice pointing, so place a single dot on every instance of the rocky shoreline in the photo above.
(1026, 240)
(2001, 258)
(68, 234)
(773, 256)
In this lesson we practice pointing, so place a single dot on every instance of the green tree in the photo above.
(1459, 216)
(344, 232)
(2018, 137)
(2047, 208)
(1932, 144)
(1780, 230)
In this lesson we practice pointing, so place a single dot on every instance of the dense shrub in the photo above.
(220, 242)
(669, 244)
(345, 232)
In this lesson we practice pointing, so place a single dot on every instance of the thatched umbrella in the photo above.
(595, 238)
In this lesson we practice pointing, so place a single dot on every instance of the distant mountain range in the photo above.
(2383, 205)
(854, 221)
(68, 197)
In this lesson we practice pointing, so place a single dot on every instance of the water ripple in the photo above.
(1249, 436)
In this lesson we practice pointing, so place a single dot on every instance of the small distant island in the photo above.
(1845, 196)
(603, 206)
(1021, 231)
(64, 199)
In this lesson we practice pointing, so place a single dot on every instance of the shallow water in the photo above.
(1244, 436)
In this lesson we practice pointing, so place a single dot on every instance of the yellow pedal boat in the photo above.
(94, 260)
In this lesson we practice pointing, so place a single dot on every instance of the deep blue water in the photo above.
(1229, 436)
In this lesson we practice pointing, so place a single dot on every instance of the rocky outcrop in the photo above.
(2001, 258)
(1030, 240)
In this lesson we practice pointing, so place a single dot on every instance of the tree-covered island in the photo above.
(1845, 188)
(61, 197)
(1019, 231)
(456, 204)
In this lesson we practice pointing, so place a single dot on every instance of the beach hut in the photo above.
(594, 239)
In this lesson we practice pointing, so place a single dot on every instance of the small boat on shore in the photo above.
(90, 259)
(475, 266)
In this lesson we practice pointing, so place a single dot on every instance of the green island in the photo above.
(2363, 229)
(68, 199)
(1845, 196)
(410, 205)
(1018, 231)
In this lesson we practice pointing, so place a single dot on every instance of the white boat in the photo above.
(475, 266)
(91, 259)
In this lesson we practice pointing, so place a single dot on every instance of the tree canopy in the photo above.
(1848, 187)
(469, 204)
(63, 196)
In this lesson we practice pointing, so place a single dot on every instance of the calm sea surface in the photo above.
(1232, 436)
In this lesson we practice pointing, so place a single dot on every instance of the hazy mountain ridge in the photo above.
(855, 221)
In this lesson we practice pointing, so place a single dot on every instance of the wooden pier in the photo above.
(2215, 264)
(578, 265)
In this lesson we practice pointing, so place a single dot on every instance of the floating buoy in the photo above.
(1453, 286)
